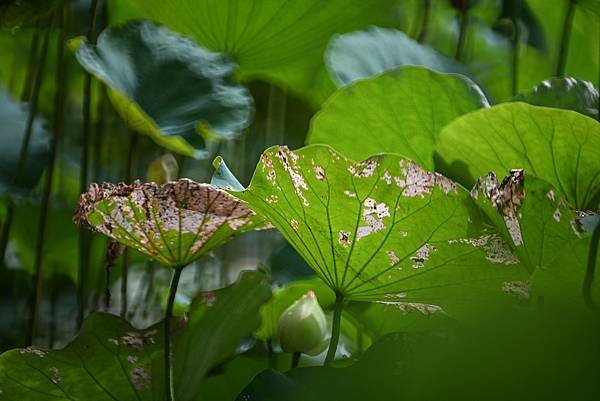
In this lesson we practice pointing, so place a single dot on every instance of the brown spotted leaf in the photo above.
(174, 223)
(380, 230)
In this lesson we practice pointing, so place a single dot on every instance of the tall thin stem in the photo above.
(335, 328)
(463, 21)
(591, 270)
(295, 359)
(33, 95)
(128, 178)
(33, 51)
(563, 51)
(84, 237)
(58, 123)
(424, 28)
(516, 47)
(275, 127)
(169, 388)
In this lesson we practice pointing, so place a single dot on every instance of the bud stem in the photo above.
(335, 329)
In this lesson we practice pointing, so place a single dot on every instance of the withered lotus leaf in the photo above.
(174, 223)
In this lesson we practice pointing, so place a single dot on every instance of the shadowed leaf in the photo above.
(109, 360)
(564, 93)
(167, 87)
(219, 321)
(13, 118)
(364, 54)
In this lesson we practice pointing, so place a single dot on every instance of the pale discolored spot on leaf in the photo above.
(506, 197)
(140, 378)
(520, 289)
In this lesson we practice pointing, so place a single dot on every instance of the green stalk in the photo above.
(516, 47)
(275, 127)
(33, 95)
(33, 51)
(295, 359)
(424, 28)
(335, 328)
(128, 178)
(169, 389)
(84, 237)
(591, 270)
(58, 123)
(564, 39)
(463, 20)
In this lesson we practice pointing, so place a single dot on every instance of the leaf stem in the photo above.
(295, 359)
(58, 123)
(591, 270)
(516, 47)
(169, 388)
(84, 237)
(463, 21)
(32, 95)
(128, 178)
(564, 39)
(275, 127)
(424, 28)
(335, 328)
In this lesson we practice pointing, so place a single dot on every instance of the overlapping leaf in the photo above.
(397, 112)
(364, 54)
(219, 321)
(559, 146)
(167, 87)
(111, 360)
(542, 230)
(565, 93)
(379, 230)
(174, 223)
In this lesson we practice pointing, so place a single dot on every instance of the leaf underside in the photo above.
(379, 230)
(166, 86)
(558, 146)
(174, 223)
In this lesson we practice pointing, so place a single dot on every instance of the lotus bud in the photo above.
(163, 169)
(303, 326)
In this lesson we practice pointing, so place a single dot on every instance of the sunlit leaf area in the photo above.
(299, 200)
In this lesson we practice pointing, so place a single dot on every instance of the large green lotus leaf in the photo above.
(277, 40)
(400, 112)
(219, 321)
(167, 87)
(363, 54)
(174, 223)
(559, 146)
(13, 117)
(379, 230)
(564, 93)
(109, 360)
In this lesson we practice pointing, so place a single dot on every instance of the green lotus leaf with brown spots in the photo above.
(174, 223)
